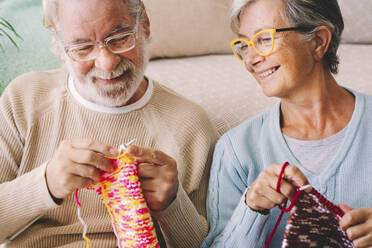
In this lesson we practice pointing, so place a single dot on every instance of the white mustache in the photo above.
(124, 65)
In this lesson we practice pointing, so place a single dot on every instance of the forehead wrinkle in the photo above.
(261, 16)
(86, 23)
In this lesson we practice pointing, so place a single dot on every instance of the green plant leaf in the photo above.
(6, 24)
(9, 37)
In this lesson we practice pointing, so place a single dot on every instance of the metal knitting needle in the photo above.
(305, 187)
(123, 147)
(11, 238)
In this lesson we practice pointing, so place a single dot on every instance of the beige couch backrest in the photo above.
(357, 16)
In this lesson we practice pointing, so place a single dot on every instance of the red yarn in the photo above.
(313, 221)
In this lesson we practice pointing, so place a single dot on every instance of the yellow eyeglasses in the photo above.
(262, 42)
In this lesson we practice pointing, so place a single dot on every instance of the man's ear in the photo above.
(322, 39)
(56, 46)
(146, 24)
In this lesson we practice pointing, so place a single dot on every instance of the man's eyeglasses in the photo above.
(262, 42)
(117, 43)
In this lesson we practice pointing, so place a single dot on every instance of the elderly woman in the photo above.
(322, 129)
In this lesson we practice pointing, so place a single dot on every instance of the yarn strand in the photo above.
(85, 226)
(282, 206)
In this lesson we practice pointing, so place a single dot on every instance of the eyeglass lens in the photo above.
(116, 44)
(262, 43)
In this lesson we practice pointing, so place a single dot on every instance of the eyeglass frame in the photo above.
(272, 31)
(99, 44)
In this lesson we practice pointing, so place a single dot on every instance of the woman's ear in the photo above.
(322, 39)
(146, 23)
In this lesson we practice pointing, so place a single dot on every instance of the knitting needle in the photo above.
(125, 146)
(11, 238)
(305, 187)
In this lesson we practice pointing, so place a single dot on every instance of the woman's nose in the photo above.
(252, 58)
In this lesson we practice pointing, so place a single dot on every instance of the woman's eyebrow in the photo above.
(255, 32)
(242, 36)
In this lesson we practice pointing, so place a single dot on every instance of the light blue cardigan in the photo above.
(243, 152)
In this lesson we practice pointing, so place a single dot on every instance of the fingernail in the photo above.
(114, 152)
(132, 150)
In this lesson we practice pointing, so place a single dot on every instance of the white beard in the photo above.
(115, 95)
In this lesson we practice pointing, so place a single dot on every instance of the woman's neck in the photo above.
(317, 111)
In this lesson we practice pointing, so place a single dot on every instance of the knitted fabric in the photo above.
(121, 192)
(314, 222)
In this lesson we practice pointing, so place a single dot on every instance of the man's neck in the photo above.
(139, 93)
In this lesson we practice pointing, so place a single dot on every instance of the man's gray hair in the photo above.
(50, 17)
(306, 13)
(50, 10)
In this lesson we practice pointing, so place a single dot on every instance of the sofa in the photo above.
(190, 53)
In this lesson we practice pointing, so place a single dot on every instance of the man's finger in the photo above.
(95, 146)
(146, 170)
(98, 160)
(148, 185)
(80, 182)
(151, 156)
(85, 171)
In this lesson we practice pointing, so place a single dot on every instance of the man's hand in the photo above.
(357, 223)
(262, 194)
(76, 164)
(158, 176)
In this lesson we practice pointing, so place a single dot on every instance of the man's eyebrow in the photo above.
(78, 41)
(121, 27)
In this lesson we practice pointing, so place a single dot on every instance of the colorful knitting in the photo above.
(121, 192)
(314, 222)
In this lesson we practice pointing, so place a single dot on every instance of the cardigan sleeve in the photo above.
(226, 194)
(246, 228)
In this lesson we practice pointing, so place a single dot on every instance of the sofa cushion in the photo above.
(192, 27)
(358, 21)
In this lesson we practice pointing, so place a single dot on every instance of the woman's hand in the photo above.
(262, 194)
(357, 223)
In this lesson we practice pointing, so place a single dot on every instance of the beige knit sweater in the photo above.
(38, 111)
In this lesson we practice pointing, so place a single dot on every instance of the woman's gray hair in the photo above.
(305, 13)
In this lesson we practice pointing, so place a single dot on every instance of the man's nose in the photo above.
(106, 60)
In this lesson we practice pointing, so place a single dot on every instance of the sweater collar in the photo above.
(111, 110)
(351, 131)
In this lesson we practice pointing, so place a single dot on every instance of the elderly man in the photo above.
(57, 128)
